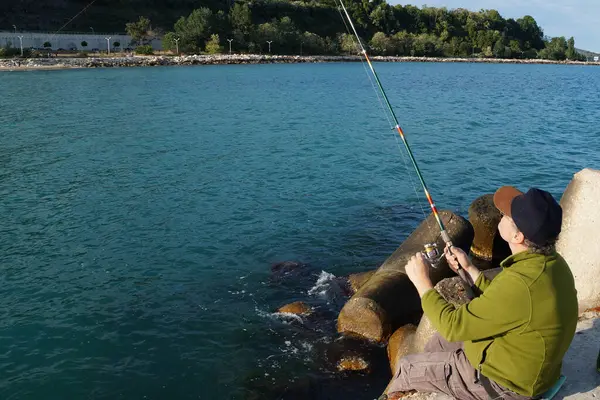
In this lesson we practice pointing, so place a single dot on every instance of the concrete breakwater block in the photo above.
(389, 300)
(487, 243)
(400, 344)
(578, 241)
(358, 280)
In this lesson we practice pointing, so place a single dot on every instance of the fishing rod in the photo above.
(431, 252)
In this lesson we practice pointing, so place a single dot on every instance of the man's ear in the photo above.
(518, 238)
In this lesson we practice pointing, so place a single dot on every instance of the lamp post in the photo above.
(301, 43)
(230, 40)
(177, 44)
(14, 26)
(93, 33)
(108, 43)
(269, 41)
(21, 40)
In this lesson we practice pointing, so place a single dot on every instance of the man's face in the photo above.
(507, 228)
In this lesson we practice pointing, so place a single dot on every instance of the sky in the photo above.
(577, 18)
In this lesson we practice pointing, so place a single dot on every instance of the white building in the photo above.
(68, 41)
(596, 59)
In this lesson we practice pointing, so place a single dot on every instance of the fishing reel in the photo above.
(432, 254)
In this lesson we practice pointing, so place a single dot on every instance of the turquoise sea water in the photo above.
(142, 210)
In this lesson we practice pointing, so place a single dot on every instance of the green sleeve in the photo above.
(504, 306)
(482, 282)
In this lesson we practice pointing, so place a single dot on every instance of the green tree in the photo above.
(555, 49)
(499, 49)
(404, 43)
(213, 46)
(382, 17)
(116, 45)
(141, 31)
(84, 44)
(47, 45)
(194, 30)
(266, 32)
(240, 18)
(515, 48)
(382, 44)
(533, 35)
(145, 49)
(313, 44)
(571, 53)
(348, 44)
(168, 41)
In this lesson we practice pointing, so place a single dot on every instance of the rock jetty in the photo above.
(153, 61)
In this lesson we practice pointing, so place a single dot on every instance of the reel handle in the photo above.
(464, 275)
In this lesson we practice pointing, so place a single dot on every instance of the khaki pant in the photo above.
(443, 368)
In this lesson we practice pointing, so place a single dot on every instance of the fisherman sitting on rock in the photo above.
(509, 342)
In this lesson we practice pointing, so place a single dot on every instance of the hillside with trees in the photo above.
(300, 27)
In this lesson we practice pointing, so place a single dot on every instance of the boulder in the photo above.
(389, 299)
(353, 363)
(357, 281)
(487, 243)
(297, 308)
(580, 232)
(290, 271)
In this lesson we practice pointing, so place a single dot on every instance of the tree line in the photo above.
(316, 27)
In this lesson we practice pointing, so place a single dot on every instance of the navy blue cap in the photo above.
(536, 213)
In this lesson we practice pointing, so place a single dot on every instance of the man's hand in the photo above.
(457, 258)
(417, 270)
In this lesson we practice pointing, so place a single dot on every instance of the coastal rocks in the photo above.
(357, 281)
(389, 299)
(353, 363)
(580, 232)
(286, 267)
(150, 61)
(297, 308)
(487, 243)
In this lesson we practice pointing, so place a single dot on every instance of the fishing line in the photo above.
(72, 19)
(431, 250)
(386, 115)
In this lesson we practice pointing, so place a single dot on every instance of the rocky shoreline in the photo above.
(152, 61)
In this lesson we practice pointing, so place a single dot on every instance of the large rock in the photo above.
(389, 300)
(297, 308)
(578, 241)
(487, 243)
(353, 363)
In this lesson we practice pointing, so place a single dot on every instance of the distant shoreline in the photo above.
(149, 61)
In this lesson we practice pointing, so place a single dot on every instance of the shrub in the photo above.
(145, 50)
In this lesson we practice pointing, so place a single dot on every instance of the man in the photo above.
(510, 341)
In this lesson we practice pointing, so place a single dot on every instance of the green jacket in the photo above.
(517, 332)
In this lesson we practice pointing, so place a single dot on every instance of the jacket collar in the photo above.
(515, 258)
